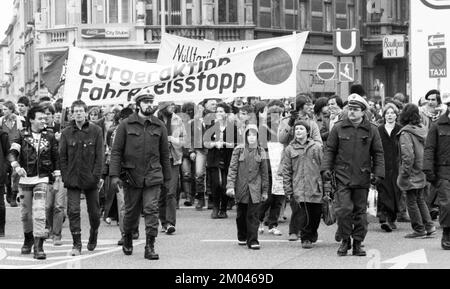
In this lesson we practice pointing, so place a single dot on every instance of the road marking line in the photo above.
(83, 257)
(17, 267)
(12, 258)
(261, 241)
(58, 251)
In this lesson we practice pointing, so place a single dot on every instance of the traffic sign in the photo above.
(346, 42)
(346, 72)
(326, 70)
(436, 40)
(438, 63)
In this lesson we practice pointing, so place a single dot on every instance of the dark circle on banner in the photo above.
(273, 66)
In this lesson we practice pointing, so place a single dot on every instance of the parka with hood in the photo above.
(411, 140)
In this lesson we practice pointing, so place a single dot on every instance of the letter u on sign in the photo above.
(347, 43)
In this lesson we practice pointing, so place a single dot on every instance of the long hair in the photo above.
(410, 115)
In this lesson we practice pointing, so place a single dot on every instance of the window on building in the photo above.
(173, 12)
(86, 11)
(303, 14)
(265, 13)
(328, 16)
(189, 8)
(341, 14)
(148, 12)
(228, 11)
(118, 11)
(291, 14)
(317, 15)
(60, 12)
(351, 14)
(276, 13)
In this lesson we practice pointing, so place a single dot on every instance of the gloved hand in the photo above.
(294, 117)
(230, 193)
(116, 182)
(326, 175)
(21, 172)
(376, 181)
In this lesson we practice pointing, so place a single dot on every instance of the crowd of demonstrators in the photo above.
(256, 154)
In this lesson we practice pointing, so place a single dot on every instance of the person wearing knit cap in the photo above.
(302, 182)
(248, 183)
(353, 152)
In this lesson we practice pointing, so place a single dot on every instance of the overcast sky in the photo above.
(6, 13)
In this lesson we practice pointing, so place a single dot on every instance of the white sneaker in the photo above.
(261, 229)
(275, 231)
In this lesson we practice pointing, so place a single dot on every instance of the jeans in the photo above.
(55, 207)
(188, 180)
(444, 203)
(135, 199)
(93, 207)
(32, 205)
(167, 200)
(418, 211)
(2, 208)
(200, 174)
(247, 222)
(218, 188)
(350, 210)
(273, 204)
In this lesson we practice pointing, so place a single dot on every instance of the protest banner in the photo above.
(266, 70)
(176, 49)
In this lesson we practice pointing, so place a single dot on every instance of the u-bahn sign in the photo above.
(346, 42)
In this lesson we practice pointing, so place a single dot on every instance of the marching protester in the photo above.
(437, 169)
(411, 177)
(248, 184)
(353, 149)
(140, 163)
(303, 184)
(34, 158)
(12, 124)
(189, 155)
(81, 157)
(175, 135)
(389, 193)
(4, 151)
(220, 139)
(335, 107)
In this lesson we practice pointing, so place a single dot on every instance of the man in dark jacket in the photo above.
(140, 158)
(81, 156)
(34, 158)
(437, 169)
(4, 150)
(353, 145)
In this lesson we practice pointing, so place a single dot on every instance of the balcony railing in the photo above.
(218, 33)
(59, 37)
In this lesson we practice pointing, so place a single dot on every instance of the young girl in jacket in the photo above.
(303, 184)
(248, 183)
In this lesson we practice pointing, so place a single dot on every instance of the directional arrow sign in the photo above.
(436, 40)
(401, 262)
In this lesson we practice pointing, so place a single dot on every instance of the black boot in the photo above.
(92, 240)
(345, 246)
(27, 243)
(215, 213)
(127, 247)
(150, 249)
(120, 242)
(39, 249)
(357, 250)
(76, 248)
(445, 241)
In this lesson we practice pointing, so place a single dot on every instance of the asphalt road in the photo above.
(203, 243)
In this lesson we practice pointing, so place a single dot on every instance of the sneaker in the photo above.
(222, 215)
(163, 229)
(307, 244)
(170, 230)
(57, 241)
(416, 235)
(386, 227)
(293, 237)
(242, 243)
(255, 246)
(275, 231)
(261, 229)
(431, 232)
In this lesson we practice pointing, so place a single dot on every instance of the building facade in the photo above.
(44, 29)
